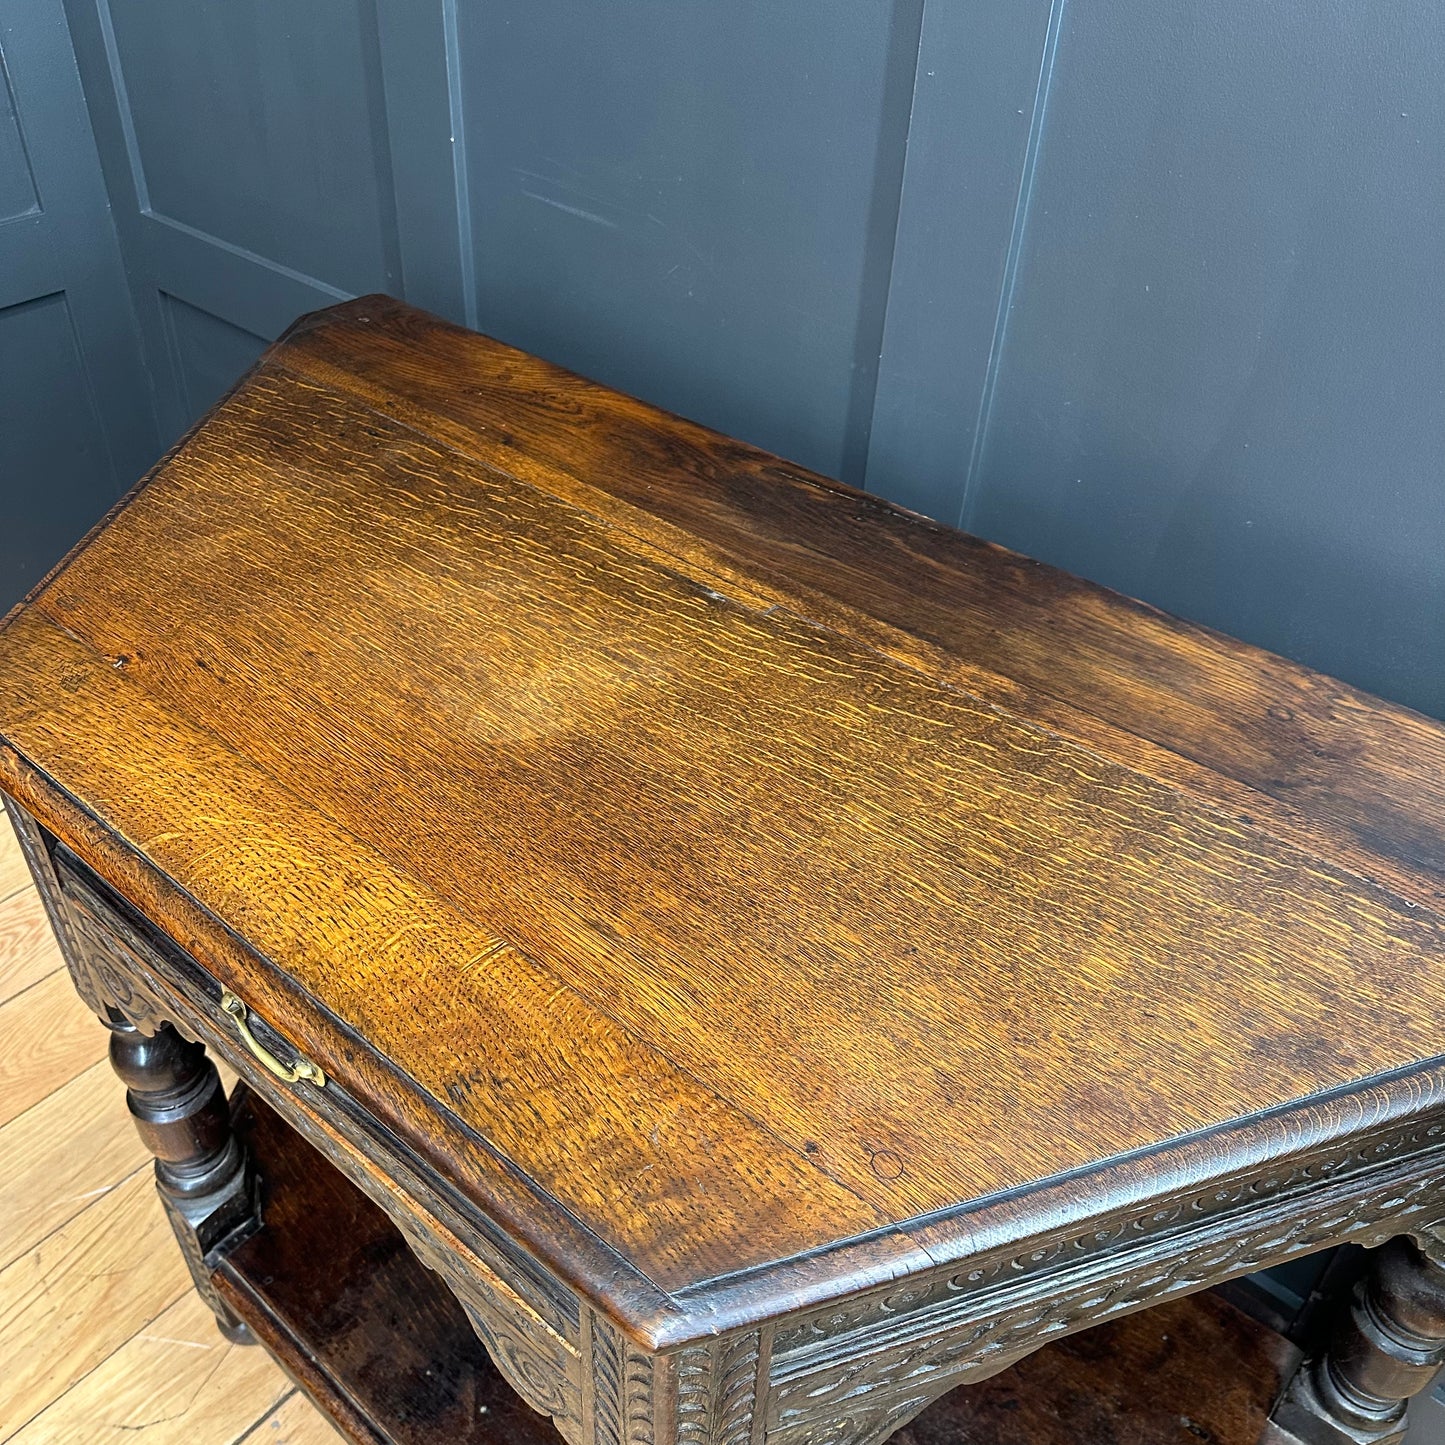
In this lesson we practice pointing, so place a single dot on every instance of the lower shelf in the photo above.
(330, 1287)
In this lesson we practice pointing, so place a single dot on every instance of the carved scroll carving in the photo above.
(541, 1366)
(856, 1386)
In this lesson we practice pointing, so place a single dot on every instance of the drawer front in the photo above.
(139, 970)
(127, 948)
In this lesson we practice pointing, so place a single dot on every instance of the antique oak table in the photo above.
(772, 957)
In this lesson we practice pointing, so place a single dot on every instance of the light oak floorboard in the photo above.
(27, 946)
(174, 1383)
(297, 1422)
(47, 1036)
(61, 1155)
(101, 1336)
(14, 875)
(81, 1293)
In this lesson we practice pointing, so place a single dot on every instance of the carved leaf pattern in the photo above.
(694, 1397)
(638, 1396)
(860, 1426)
(737, 1390)
(607, 1383)
(622, 1396)
(717, 1390)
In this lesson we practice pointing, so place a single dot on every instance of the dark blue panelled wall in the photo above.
(1147, 288)
(75, 412)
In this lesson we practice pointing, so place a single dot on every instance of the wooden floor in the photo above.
(102, 1338)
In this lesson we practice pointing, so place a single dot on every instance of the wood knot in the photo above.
(886, 1164)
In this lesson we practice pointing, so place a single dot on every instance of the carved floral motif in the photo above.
(115, 981)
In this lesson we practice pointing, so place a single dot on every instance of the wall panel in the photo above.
(248, 154)
(978, 109)
(261, 124)
(58, 477)
(206, 353)
(76, 420)
(1217, 376)
(18, 196)
(694, 202)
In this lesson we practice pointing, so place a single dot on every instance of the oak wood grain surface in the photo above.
(744, 865)
(1358, 777)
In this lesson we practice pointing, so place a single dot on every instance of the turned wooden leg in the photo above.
(1386, 1347)
(205, 1180)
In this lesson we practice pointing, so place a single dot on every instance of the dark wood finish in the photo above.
(774, 958)
(203, 1174)
(1387, 1347)
(331, 1287)
(1194, 1372)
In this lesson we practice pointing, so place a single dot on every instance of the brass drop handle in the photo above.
(302, 1071)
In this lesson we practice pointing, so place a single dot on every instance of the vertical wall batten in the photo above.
(1037, 115)
(457, 139)
(976, 89)
(896, 115)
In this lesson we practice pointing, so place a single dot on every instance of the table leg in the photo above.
(1386, 1347)
(204, 1177)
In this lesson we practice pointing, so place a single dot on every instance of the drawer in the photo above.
(135, 958)
(153, 980)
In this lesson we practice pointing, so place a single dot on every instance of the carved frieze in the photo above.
(1119, 1231)
(878, 1362)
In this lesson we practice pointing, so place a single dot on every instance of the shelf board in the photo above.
(331, 1288)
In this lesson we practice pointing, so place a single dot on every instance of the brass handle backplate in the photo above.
(302, 1071)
